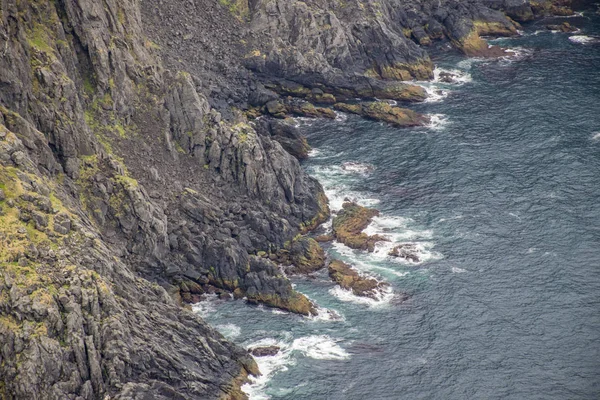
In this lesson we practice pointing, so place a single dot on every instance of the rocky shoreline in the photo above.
(145, 160)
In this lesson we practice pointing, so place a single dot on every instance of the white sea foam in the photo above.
(207, 306)
(398, 230)
(326, 315)
(367, 262)
(230, 331)
(320, 347)
(268, 366)
(457, 76)
(334, 178)
(435, 94)
(515, 54)
(575, 15)
(596, 136)
(457, 270)
(583, 39)
(302, 121)
(467, 63)
(437, 122)
(314, 153)
(383, 298)
(356, 167)
(340, 116)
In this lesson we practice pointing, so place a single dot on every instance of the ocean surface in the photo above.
(501, 194)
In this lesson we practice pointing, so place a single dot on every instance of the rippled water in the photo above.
(501, 195)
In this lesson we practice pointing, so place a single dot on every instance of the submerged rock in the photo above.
(382, 111)
(265, 351)
(564, 27)
(348, 278)
(349, 223)
(408, 251)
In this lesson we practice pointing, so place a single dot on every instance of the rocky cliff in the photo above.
(133, 177)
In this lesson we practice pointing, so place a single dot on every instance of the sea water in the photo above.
(500, 193)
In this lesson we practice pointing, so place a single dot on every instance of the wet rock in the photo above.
(407, 251)
(349, 223)
(265, 351)
(382, 111)
(564, 27)
(325, 238)
(306, 255)
(306, 109)
(348, 278)
(447, 77)
(300, 108)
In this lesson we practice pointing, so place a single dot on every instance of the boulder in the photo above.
(348, 278)
(62, 223)
(306, 255)
(407, 251)
(349, 223)
(382, 111)
(564, 27)
(265, 351)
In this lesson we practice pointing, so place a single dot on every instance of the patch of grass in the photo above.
(39, 39)
(239, 8)
(126, 181)
(149, 44)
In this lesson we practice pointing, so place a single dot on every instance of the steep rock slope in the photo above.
(116, 173)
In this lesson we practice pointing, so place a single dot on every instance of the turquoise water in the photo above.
(501, 195)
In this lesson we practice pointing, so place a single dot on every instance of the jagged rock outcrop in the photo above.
(349, 279)
(382, 111)
(154, 186)
(76, 321)
(349, 223)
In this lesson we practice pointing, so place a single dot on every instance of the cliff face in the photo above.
(115, 173)
(131, 178)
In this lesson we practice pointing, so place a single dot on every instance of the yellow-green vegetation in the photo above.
(15, 234)
(321, 216)
(39, 38)
(126, 181)
(255, 53)
(149, 44)
(474, 45)
(349, 223)
(398, 91)
(382, 111)
(243, 132)
(306, 255)
(239, 8)
(296, 303)
(348, 278)
(104, 122)
(494, 28)
(179, 148)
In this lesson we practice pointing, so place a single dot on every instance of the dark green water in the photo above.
(502, 196)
